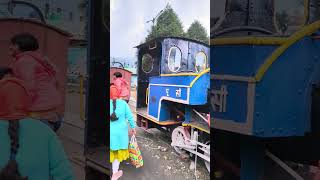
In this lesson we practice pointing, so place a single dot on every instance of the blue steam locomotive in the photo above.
(173, 86)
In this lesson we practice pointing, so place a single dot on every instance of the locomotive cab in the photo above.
(172, 70)
(173, 83)
(149, 58)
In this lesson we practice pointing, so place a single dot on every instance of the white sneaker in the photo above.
(117, 175)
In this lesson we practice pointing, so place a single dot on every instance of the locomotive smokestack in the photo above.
(253, 13)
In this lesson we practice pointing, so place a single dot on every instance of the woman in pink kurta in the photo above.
(39, 77)
(122, 85)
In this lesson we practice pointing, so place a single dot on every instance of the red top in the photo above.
(40, 80)
(114, 93)
(14, 99)
(123, 87)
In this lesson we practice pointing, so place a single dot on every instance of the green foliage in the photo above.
(168, 24)
(197, 32)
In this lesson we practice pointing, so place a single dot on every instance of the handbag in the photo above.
(135, 153)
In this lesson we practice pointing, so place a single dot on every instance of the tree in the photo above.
(168, 24)
(197, 32)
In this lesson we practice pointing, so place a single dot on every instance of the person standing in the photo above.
(120, 115)
(122, 85)
(40, 79)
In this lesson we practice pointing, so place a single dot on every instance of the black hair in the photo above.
(25, 42)
(118, 74)
(113, 116)
(4, 71)
(10, 171)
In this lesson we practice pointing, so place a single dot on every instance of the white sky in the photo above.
(128, 20)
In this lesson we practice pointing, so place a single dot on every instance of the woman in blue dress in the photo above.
(120, 115)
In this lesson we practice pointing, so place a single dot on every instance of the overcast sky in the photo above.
(128, 20)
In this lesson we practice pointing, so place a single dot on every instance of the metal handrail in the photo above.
(147, 96)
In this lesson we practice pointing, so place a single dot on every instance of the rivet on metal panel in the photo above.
(257, 114)
(299, 91)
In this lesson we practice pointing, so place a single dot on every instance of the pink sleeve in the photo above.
(117, 83)
(25, 70)
(125, 82)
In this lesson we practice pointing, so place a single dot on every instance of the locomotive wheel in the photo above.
(179, 136)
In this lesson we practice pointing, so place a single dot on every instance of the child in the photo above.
(119, 139)
(122, 86)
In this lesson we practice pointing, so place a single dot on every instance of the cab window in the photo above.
(201, 61)
(174, 59)
(147, 63)
(289, 17)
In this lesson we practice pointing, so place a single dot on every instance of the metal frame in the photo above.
(97, 80)
(10, 4)
(243, 128)
(193, 144)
